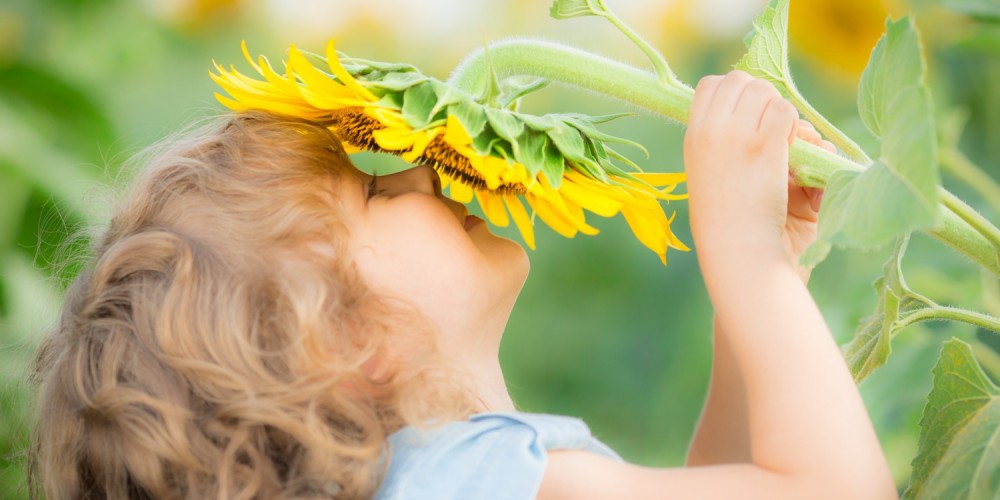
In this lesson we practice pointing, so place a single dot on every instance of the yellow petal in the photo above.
(493, 208)
(460, 192)
(521, 220)
(319, 89)
(394, 139)
(592, 200)
(421, 141)
(551, 217)
(649, 233)
(333, 61)
(455, 134)
(661, 179)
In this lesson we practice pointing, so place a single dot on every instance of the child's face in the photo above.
(410, 241)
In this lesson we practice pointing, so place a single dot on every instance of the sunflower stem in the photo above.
(938, 313)
(812, 165)
(831, 132)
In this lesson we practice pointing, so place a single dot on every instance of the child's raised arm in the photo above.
(810, 435)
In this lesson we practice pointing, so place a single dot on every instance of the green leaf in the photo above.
(767, 49)
(870, 347)
(566, 9)
(958, 453)
(899, 192)
(418, 103)
(896, 63)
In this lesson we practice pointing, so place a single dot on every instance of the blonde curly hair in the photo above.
(210, 351)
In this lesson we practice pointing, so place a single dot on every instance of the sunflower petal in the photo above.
(521, 220)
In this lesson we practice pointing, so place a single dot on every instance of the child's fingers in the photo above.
(728, 94)
(808, 133)
(752, 103)
(703, 95)
(815, 198)
(779, 119)
(827, 145)
(801, 202)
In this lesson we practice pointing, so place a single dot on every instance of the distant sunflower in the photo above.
(838, 34)
(559, 164)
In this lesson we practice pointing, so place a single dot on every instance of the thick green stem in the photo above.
(812, 165)
(981, 320)
(961, 167)
(832, 133)
(972, 217)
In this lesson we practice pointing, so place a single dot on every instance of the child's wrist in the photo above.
(739, 249)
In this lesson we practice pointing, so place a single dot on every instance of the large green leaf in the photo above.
(767, 54)
(958, 453)
(896, 63)
(898, 193)
(870, 347)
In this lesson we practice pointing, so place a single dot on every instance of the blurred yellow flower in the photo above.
(838, 34)
(369, 114)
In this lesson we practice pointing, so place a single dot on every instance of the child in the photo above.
(262, 320)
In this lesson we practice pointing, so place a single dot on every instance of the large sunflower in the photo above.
(560, 164)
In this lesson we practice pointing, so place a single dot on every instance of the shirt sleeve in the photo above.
(490, 456)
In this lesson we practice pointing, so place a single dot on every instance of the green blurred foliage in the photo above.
(601, 331)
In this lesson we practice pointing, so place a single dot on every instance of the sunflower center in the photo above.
(356, 128)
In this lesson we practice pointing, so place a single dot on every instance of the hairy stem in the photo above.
(961, 167)
(972, 217)
(812, 165)
(981, 320)
(831, 132)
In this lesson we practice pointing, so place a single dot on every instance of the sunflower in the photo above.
(560, 165)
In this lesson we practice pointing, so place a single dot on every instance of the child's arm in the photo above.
(810, 434)
(723, 432)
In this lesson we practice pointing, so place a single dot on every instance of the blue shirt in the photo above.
(489, 456)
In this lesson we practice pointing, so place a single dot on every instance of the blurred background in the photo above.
(602, 330)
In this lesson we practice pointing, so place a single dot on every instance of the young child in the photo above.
(262, 320)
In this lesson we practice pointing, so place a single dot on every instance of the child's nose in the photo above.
(421, 178)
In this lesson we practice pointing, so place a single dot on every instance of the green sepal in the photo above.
(567, 9)
(957, 452)
(511, 90)
(392, 100)
(570, 143)
(506, 125)
(470, 115)
(586, 127)
(396, 82)
(553, 164)
(418, 104)
(447, 95)
(530, 151)
(542, 123)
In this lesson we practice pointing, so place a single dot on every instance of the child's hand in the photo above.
(803, 204)
(736, 159)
